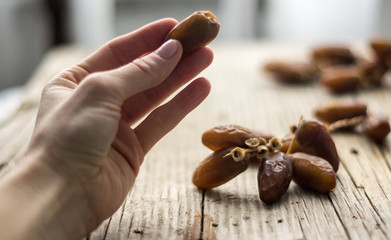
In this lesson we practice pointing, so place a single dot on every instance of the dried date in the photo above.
(341, 79)
(313, 172)
(196, 31)
(220, 167)
(312, 137)
(274, 177)
(327, 56)
(291, 73)
(225, 136)
(376, 127)
(336, 111)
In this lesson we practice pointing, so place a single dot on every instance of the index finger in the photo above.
(126, 48)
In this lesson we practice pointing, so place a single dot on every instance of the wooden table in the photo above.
(164, 204)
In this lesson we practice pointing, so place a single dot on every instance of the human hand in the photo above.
(85, 131)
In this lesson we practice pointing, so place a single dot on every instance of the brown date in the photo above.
(274, 177)
(371, 72)
(291, 73)
(225, 136)
(312, 137)
(382, 49)
(341, 79)
(376, 127)
(336, 111)
(329, 56)
(313, 172)
(217, 169)
(196, 31)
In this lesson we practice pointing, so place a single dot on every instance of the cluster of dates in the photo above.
(353, 116)
(310, 160)
(337, 68)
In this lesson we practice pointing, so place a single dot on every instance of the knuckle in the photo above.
(46, 91)
(47, 88)
(148, 68)
(73, 74)
(97, 83)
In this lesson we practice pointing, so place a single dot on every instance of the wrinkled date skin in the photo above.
(196, 31)
(341, 79)
(216, 169)
(312, 137)
(313, 172)
(225, 136)
(291, 73)
(328, 56)
(336, 111)
(376, 127)
(274, 177)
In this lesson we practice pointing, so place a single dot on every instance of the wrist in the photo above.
(41, 203)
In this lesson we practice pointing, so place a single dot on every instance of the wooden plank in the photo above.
(370, 176)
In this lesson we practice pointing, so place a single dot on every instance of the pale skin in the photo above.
(86, 150)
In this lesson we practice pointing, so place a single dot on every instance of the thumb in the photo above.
(141, 74)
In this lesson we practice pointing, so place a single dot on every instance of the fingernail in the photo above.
(167, 50)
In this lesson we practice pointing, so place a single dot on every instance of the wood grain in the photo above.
(163, 202)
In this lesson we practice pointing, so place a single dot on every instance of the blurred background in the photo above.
(30, 28)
